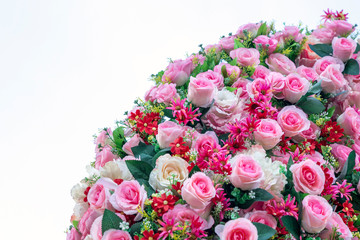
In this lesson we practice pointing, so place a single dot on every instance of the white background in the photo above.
(69, 67)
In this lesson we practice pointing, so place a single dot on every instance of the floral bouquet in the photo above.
(255, 137)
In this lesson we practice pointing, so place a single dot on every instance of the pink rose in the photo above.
(315, 214)
(341, 153)
(289, 32)
(150, 95)
(262, 217)
(281, 157)
(96, 231)
(295, 87)
(178, 72)
(240, 228)
(227, 43)
(246, 173)
(349, 120)
(103, 157)
(257, 86)
(277, 81)
(332, 80)
(312, 133)
(336, 222)
(128, 196)
(292, 120)
(198, 190)
(246, 56)
(216, 78)
(73, 235)
(250, 28)
(99, 194)
(261, 72)
(133, 142)
(356, 146)
(323, 35)
(167, 133)
(201, 92)
(103, 139)
(205, 145)
(87, 220)
(307, 56)
(308, 73)
(340, 27)
(240, 84)
(233, 72)
(266, 43)
(196, 59)
(113, 234)
(166, 92)
(343, 48)
(213, 48)
(324, 62)
(280, 63)
(308, 177)
(268, 133)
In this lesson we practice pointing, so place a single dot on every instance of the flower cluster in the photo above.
(255, 137)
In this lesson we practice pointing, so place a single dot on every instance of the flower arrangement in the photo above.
(255, 137)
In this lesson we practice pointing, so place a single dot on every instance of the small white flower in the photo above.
(252, 194)
(124, 226)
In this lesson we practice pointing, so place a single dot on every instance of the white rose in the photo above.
(116, 170)
(77, 193)
(88, 237)
(80, 209)
(167, 168)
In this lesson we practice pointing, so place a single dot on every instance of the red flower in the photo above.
(332, 132)
(150, 235)
(178, 147)
(135, 116)
(163, 203)
(347, 208)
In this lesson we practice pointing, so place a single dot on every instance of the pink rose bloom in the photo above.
(356, 146)
(215, 48)
(246, 173)
(178, 72)
(324, 62)
(73, 235)
(308, 73)
(315, 214)
(280, 63)
(266, 43)
(268, 133)
(307, 56)
(251, 28)
(246, 56)
(166, 92)
(295, 87)
(99, 194)
(256, 87)
(340, 27)
(96, 231)
(167, 133)
(312, 133)
(216, 78)
(349, 120)
(277, 81)
(113, 234)
(233, 72)
(332, 79)
(336, 222)
(227, 43)
(292, 32)
(240, 228)
(103, 157)
(343, 48)
(323, 35)
(87, 220)
(150, 95)
(102, 139)
(261, 72)
(201, 92)
(198, 190)
(133, 142)
(128, 196)
(341, 153)
(308, 177)
(262, 217)
(240, 84)
(281, 157)
(206, 143)
(196, 59)
(293, 120)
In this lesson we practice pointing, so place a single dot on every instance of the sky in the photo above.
(71, 67)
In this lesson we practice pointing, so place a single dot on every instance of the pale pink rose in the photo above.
(261, 72)
(266, 43)
(349, 120)
(307, 56)
(324, 62)
(340, 27)
(227, 43)
(312, 133)
(167, 133)
(233, 72)
(216, 78)
(341, 153)
(293, 120)
(240, 84)
(99, 194)
(356, 146)
(201, 92)
(308, 177)
(255, 87)
(295, 87)
(308, 73)
(277, 81)
(128, 196)
(166, 92)
(73, 235)
(332, 80)
(250, 28)
(96, 231)
(113, 234)
(268, 133)
(213, 48)
(246, 173)
(103, 139)
(205, 214)
(323, 35)
(280, 63)
(315, 213)
(196, 59)
(198, 190)
(343, 48)
(205, 144)
(292, 32)
(336, 222)
(352, 99)
(262, 217)
(103, 157)
(246, 56)
(178, 72)
(133, 142)
(150, 95)
(87, 220)
(240, 228)
(281, 157)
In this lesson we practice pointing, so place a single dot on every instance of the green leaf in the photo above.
(322, 49)
(139, 169)
(149, 190)
(316, 88)
(119, 138)
(160, 153)
(233, 62)
(110, 221)
(238, 44)
(195, 169)
(351, 67)
(168, 113)
(75, 224)
(135, 228)
(357, 48)
(262, 29)
(292, 225)
(348, 167)
(264, 231)
(311, 106)
(224, 72)
(261, 195)
(231, 89)
(145, 153)
(330, 111)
